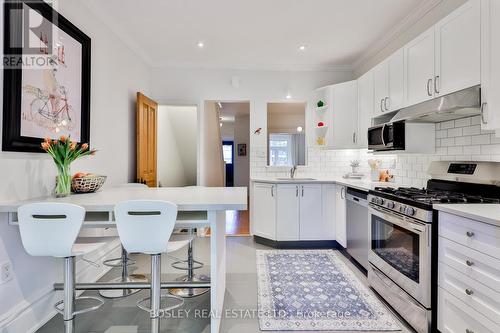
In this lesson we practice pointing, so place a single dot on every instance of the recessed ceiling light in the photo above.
(299, 129)
(288, 96)
(201, 45)
(302, 47)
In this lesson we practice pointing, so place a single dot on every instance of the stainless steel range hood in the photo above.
(461, 104)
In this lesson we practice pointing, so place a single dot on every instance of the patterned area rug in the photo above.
(313, 290)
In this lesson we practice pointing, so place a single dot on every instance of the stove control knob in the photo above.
(402, 209)
(390, 205)
(374, 200)
(381, 202)
(410, 211)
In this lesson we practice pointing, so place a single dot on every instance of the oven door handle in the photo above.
(383, 135)
(397, 219)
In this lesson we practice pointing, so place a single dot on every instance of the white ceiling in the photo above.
(230, 110)
(254, 34)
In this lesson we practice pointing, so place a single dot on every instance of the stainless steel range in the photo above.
(402, 223)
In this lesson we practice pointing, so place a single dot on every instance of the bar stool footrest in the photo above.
(183, 265)
(143, 307)
(100, 301)
(120, 262)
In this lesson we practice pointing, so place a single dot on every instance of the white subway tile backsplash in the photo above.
(455, 132)
(462, 122)
(456, 140)
(448, 124)
(472, 130)
(482, 139)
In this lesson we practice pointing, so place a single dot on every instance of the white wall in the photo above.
(117, 74)
(195, 86)
(210, 166)
(227, 131)
(177, 145)
(241, 163)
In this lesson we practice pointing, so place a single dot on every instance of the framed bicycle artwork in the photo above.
(46, 77)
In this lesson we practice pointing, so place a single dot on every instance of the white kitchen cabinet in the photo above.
(312, 226)
(380, 87)
(340, 215)
(264, 210)
(419, 68)
(395, 66)
(389, 84)
(458, 50)
(345, 115)
(490, 64)
(288, 219)
(365, 108)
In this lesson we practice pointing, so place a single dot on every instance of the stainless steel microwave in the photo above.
(389, 136)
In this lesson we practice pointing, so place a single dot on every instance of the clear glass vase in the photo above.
(63, 182)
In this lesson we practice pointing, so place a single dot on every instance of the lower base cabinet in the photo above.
(294, 212)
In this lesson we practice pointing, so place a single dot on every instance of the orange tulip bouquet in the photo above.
(64, 152)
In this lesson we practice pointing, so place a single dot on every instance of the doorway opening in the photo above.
(234, 124)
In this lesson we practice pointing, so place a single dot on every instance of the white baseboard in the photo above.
(28, 317)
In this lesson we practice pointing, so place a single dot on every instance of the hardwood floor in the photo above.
(237, 223)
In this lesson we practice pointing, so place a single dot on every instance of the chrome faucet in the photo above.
(292, 171)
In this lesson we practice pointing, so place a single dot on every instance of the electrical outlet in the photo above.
(5, 272)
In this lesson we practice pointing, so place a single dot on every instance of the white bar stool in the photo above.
(50, 229)
(123, 262)
(146, 227)
(189, 265)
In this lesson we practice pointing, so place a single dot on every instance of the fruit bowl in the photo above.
(87, 183)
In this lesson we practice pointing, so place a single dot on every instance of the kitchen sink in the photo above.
(295, 178)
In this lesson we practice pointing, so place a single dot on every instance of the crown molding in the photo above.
(269, 68)
(422, 9)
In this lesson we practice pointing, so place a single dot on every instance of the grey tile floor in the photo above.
(122, 316)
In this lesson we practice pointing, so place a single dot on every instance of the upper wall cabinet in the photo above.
(365, 108)
(388, 80)
(458, 49)
(445, 58)
(336, 122)
(419, 68)
(490, 63)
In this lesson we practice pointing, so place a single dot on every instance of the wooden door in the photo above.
(146, 140)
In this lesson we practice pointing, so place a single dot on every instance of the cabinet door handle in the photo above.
(469, 263)
(483, 119)
(297, 191)
(342, 192)
(385, 103)
(436, 84)
(302, 190)
(469, 292)
(272, 191)
(469, 234)
(382, 105)
(429, 83)
(354, 137)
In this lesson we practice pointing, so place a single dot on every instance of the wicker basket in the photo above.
(87, 184)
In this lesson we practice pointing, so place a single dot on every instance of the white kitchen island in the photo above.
(200, 206)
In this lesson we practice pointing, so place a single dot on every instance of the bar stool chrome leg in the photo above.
(124, 262)
(190, 276)
(69, 295)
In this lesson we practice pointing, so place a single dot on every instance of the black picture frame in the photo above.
(12, 89)
(242, 149)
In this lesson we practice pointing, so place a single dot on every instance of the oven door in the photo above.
(400, 248)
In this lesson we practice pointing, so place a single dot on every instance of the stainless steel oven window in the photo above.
(397, 246)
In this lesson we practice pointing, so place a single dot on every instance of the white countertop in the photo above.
(186, 198)
(487, 213)
(363, 184)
